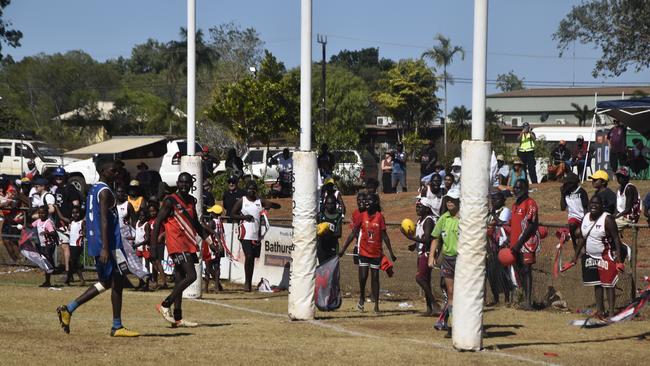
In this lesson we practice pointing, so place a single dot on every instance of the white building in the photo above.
(552, 106)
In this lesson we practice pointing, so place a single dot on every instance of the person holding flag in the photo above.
(181, 222)
(105, 244)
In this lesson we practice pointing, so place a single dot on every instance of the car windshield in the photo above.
(45, 149)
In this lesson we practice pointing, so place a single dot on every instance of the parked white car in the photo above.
(257, 163)
(160, 154)
(16, 153)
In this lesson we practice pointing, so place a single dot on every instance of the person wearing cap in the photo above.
(574, 200)
(524, 239)
(209, 162)
(213, 253)
(428, 159)
(526, 151)
(421, 239)
(398, 175)
(581, 155)
(599, 181)
(42, 197)
(445, 251)
(617, 140)
(628, 200)
(231, 195)
(329, 189)
(561, 159)
(503, 170)
(516, 173)
(66, 195)
(498, 276)
(135, 197)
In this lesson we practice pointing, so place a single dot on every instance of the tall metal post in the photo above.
(323, 88)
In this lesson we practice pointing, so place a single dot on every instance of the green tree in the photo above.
(138, 112)
(509, 82)
(10, 37)
(408, 94)
(238, 49)
(258, 108)
(442, 55)
(619, 28)
(347, 108)
(583, 114)
(459, 119)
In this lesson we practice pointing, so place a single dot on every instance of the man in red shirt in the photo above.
(371, 229)
(617, 139)
(181, 222)
(524, 240)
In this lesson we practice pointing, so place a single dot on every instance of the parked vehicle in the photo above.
(16, 153)
(159, 153)
(258, 163)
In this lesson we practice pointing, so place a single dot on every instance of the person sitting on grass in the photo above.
(446, 234)
(372, 231)
(524, 241)
(516, 173)
(574, 200)
(422, 246)
(602, 260)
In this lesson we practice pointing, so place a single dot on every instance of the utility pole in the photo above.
(323, 41)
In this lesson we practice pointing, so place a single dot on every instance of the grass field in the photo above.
(243, 328)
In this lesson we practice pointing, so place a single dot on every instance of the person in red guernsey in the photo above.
(524, 240)
(371, 229)
(181, 222)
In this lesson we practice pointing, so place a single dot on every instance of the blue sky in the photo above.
(519, 36)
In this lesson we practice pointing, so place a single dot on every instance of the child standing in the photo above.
(157, 252)
(213, 253)
(141, 246)
(372, 232)
(47, 237)
(328, 243)
(76, 227)
(574, 201)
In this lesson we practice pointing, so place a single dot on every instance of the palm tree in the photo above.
(583, 114)
(461, 115)
(443, 54)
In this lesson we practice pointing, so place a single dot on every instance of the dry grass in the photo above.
(240, 328)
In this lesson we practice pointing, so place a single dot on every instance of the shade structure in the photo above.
(117, 145)
(633, 113)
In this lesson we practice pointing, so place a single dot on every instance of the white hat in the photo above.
(453, 193)
(505, 215)
(457, 162)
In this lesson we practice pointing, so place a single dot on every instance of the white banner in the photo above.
(273, 263)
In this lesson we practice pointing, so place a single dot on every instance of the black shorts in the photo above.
(373, 263)
(448, 267)
(48, 252)
(251, 248)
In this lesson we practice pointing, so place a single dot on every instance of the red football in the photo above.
(506, 257)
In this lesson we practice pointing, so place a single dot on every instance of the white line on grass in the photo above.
(340, 329)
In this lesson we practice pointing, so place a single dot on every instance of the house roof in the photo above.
(572, 92)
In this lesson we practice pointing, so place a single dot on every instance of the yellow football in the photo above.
(409, 226)
(323, 228)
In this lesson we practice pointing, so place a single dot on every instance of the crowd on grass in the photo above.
(153, 221)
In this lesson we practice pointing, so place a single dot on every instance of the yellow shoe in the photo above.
(123, 332)
(64, 318)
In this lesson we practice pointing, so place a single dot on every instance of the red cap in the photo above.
(206, 148)
(623, 171)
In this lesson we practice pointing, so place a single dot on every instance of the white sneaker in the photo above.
(184, 324)
(166, 313)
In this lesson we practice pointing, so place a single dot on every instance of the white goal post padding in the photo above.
(469, 278)
(194, 166)
(303, 256)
